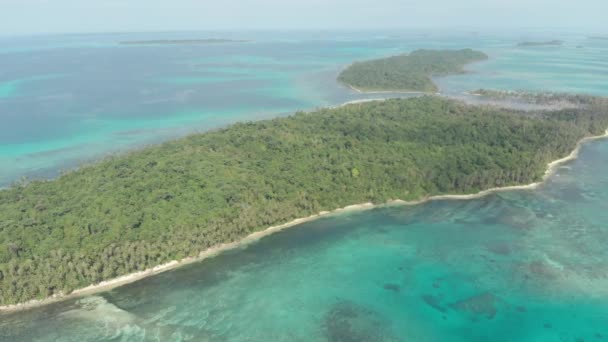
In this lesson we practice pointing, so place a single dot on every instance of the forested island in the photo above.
(547, 43)
(181, 41)
(135, 211)
(543, 99)
(410, 72)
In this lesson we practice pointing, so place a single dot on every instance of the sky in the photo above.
(72, 16)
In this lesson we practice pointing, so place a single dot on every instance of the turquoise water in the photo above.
(67, 100)
(513, 266)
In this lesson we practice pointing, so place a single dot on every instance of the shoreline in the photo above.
(255, 236)
(360, 101)
(390, 91)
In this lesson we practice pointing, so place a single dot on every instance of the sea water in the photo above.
(72, 99)
(528, 265)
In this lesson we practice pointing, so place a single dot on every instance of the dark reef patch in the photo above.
(499, 248)
(434, 302)
(347, 321)
(478, 305)
(540, 270)
(392, 287)
(572, 194)
(517, 218)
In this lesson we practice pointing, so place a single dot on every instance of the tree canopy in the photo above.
(138, 210)
(411, 72)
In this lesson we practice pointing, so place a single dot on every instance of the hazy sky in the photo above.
(38, 16)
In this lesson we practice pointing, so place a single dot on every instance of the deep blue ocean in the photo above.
(527, 265)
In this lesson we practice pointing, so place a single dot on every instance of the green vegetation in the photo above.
(547, 43)
(181, 41)
(411, 72)
(139, 210)
(573, 100)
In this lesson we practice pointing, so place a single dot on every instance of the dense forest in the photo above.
(166, 202)
(545, 98)
(411, 72)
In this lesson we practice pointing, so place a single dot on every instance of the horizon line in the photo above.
(596, 30)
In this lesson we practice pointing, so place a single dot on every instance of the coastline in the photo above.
(360, 102)
(213, 251)
(390, 91)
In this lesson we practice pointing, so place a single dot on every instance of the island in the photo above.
(562, 100)
(148, 209)
(408, 73)
(181, 41)
(599, 37)
(547, 43)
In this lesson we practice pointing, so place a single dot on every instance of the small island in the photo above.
(408, 73)
(181, 41)
(132, 213)
(547, 43)
(599, 37)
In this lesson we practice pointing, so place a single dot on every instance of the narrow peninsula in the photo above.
(134, 212)
(408, 73)
(547, 43)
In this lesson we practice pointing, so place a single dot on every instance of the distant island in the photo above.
(599, 37)
(181, 41)
(408, 73)
(547, 43)
(137, 211)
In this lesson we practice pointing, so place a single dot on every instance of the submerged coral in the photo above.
(351, 322)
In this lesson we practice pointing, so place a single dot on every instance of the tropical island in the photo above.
(133, 212)
(549, 99)
(181, 41)
(408, 73)
(547, 43)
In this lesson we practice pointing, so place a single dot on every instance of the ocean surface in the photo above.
(68, 100)
(528, 265)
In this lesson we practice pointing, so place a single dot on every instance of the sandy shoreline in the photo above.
(389, 91)
(213, 251)
(208, 253)
(361, 101)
